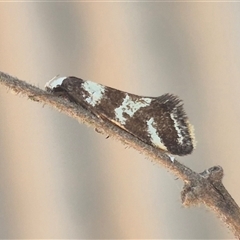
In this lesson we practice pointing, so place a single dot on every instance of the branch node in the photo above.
(194, 190)
(189, 195)
(213, 174)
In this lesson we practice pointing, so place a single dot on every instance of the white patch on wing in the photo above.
(129, 107)
(155, 138)
(95, 91)
(54, 82)
(177, 127)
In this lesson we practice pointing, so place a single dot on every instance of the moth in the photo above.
(158, 121)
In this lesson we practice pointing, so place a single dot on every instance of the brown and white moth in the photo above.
(158, 121)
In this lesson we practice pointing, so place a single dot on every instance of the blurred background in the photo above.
(59, 178)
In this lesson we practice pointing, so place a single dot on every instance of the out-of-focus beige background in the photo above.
(60, 179)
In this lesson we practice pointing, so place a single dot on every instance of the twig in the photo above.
(200, 188)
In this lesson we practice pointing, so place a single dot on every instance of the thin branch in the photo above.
(200, 188)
